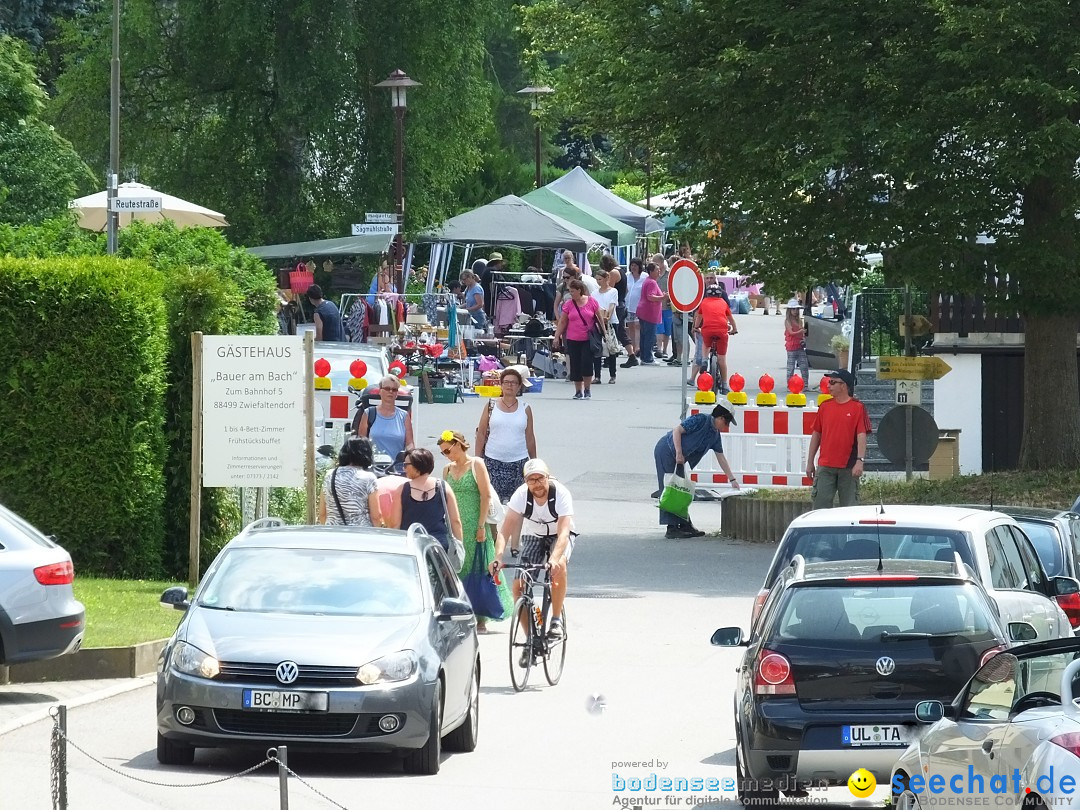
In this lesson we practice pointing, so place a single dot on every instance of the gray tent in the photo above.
(577, 185)
(513, 222)
(368, 245)
(582, 215)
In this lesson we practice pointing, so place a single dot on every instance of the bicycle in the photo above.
(531, 641)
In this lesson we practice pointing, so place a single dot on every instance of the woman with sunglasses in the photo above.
(388, 426)
(468, 478)
(425, 500)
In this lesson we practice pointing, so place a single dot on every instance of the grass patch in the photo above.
(121, 612)
(1055, 489)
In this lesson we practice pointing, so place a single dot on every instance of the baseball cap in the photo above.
(720, 410)
(535, 466)
(845, 375)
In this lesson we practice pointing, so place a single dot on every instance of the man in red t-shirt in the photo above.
(840, 431)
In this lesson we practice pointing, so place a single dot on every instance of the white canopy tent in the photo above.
(93, 209)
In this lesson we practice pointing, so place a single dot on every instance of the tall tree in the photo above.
(915, 125)
(267, 111)
(39, 171)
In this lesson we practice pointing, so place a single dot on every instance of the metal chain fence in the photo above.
(59, 768)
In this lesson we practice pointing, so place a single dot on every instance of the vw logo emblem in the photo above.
(288, 670)
(884, 666)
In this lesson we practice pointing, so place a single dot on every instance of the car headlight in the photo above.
(191, 660)
(397, 666)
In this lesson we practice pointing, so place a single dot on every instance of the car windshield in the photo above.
(837, 543)
(1044, 537)
(315, 581)
(882, 612)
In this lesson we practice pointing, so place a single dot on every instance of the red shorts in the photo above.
(721, 338)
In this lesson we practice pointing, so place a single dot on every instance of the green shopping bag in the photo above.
(678, 494)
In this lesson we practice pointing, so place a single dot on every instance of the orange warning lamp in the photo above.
(796, 384)
(737, 382)
(766, 383)
(322, 367)
(358, 368)
(736, 396)
(705, 381)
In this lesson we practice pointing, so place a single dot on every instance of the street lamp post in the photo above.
(534, 94)
(398, 84)
(112, 217)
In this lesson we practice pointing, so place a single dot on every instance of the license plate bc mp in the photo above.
(272, 700)
(874, 735)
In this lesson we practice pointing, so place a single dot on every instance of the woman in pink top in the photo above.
(648, 312)
(578, 317)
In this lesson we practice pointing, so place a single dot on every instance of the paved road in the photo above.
(641, 610)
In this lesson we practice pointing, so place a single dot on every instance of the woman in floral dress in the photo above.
(468, 477)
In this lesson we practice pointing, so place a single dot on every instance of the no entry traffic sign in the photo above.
(686, 286)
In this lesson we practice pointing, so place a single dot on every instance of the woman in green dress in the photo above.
(468, 477)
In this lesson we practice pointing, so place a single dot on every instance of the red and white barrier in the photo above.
(766, 448)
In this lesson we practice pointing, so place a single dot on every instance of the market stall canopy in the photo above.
(367, 245)
(582, 215)
(92, 209)
(663, 205)
(577, 185)
(513, 222)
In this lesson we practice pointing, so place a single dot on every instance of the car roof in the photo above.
(334, 538)
(1040, 512)
(927, 571)
(927, 517)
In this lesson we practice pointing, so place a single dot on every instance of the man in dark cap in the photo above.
(840, 430)
(685, 446)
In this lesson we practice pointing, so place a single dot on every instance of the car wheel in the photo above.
(463, 738)
(174, 753)
(749, 794)
(425, 761)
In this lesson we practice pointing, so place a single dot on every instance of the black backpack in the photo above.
(529, 503)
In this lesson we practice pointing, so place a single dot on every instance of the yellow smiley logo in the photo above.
(861, 783)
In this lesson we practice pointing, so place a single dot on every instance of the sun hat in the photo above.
(794, 304)
(495, 257)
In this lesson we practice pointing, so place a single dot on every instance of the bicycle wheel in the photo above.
(521, 644)
(555, 654)
(714, 371)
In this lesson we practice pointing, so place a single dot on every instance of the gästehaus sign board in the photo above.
(253, 411)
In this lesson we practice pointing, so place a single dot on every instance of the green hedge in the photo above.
(83, 407)
(206, 285)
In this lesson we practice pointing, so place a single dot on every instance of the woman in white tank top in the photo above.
(504, 437)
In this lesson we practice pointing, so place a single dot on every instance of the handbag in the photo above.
(596, 340)
(337, 500)
(455, 549)
(494, 514)
(481, 588)
(611, 341)
(678, 494)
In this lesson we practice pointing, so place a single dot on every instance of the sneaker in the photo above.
(656, 494)
(631, 361)
(649, 363)
(588, 393)
(577, 395)
(525, 660)
(676, 533)
(556, 629)
(611, 381)
(660, 355)
(674, 361)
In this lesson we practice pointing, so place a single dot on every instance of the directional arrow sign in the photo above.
(912, 368)
(920, 325)
(909, 392)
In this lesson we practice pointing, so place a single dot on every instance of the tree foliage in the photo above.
(39, 171)
(914, 126)
(267, 111)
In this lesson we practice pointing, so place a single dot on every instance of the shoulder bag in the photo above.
(596, 340)
(494, 514)
(455, 549)
(337, 500)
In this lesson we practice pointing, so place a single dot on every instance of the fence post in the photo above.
(59, 760)
(283, 776)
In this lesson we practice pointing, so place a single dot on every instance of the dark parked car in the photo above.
(322, 637)
(841, 655)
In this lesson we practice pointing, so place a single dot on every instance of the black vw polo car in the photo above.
(842, 654)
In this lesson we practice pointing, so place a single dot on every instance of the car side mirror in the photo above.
(929, 711)
(175, 598)
(1064, 586)
(727, 637)
(454, 608)
(1022, 631)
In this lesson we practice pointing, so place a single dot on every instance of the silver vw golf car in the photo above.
(326, 638)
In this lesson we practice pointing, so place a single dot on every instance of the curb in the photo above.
(93, 697)
(89, 663)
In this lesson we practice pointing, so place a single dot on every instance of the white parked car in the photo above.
(1011, 737)
(992, 544)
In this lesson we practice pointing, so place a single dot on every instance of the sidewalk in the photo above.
(24, 703)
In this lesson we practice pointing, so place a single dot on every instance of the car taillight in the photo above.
(882, 578)
(986, 656)
(55, 574)
(759, 603)
(1070, 603)
(1070, 742)
(772, 675)
(877, 522)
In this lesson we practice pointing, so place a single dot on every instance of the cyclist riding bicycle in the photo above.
(541, 513)
(715, 322)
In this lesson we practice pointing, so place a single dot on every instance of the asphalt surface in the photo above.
(643, 691)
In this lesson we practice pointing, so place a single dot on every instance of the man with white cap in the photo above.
(541, 513)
